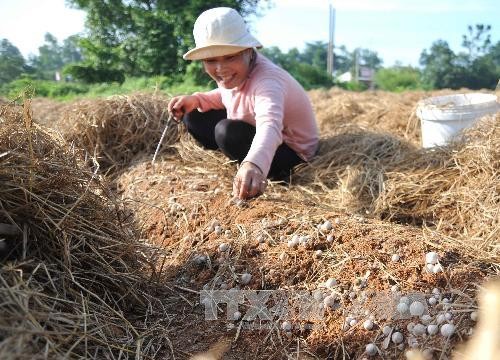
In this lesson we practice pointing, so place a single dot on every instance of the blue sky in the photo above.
(397, 29)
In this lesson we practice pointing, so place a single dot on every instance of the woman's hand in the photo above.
(180, 105)
(249, 181)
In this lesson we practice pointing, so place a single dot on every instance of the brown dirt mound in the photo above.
(180, 203)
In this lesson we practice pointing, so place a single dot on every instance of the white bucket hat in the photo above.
(218, 32)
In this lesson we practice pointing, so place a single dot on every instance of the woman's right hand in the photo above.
(180, 105)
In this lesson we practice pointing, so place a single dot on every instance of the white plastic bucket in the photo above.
(443, 117)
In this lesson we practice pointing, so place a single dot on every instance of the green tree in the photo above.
(143, 37)
(476, 68)
(12, 63)
(342, 60)
(316, 54)
(53, 56)
(307, 67)
(398, 78)
(477, 41)
(441, 67)
(369, 58)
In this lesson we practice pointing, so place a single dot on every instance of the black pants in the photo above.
(233, 137)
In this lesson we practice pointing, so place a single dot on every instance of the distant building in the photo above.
(365, 75)
(345, 77)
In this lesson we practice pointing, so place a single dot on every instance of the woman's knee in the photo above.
(234, 138)
(222, 131)
(234, 133)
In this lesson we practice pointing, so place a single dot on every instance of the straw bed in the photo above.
(118, 129)
(370, 174)
(72, 270)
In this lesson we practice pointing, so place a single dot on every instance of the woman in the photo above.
(259, 115)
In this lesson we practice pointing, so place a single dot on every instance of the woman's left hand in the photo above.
(249, 181)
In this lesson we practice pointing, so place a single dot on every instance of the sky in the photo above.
(398, 30)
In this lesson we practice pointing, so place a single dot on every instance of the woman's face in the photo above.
(229, 71)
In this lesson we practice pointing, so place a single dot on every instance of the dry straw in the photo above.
(456, 188)
(119, 129)
(74, 276)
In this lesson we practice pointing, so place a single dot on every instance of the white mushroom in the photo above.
(417, 308)
(473, 316)
(402, 308)
(223, 247)
(410, 326)
(437, 269)
(447, 330)
(371, 349)
(395, 258)
(329, 301)
(294, 241)
(368, 324)
(431, 258)
(245, 278)
(386, 330)
(326, 226)
(286, 326)
(419, 330)
(426, 319)
(432, 329)
(440, 318)
(331, 282)
(429, 268)
(397, 337)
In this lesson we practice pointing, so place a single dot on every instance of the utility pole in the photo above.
(356, 65)
(329, 59)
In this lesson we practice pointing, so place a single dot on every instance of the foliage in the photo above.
(70, 90)
(144, 37)
(45, 88)
(368, 58)
(307, 68)
(354, 86)
(12, 63)
(196, 75)
(53, 57)
(477, 41)
(343, 60)
(89, 74)
(475, 69)
(398, 78)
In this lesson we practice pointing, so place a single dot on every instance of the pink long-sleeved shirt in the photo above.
(276, 104)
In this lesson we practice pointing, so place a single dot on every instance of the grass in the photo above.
(66, 91)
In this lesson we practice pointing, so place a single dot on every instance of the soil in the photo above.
(359, 257)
